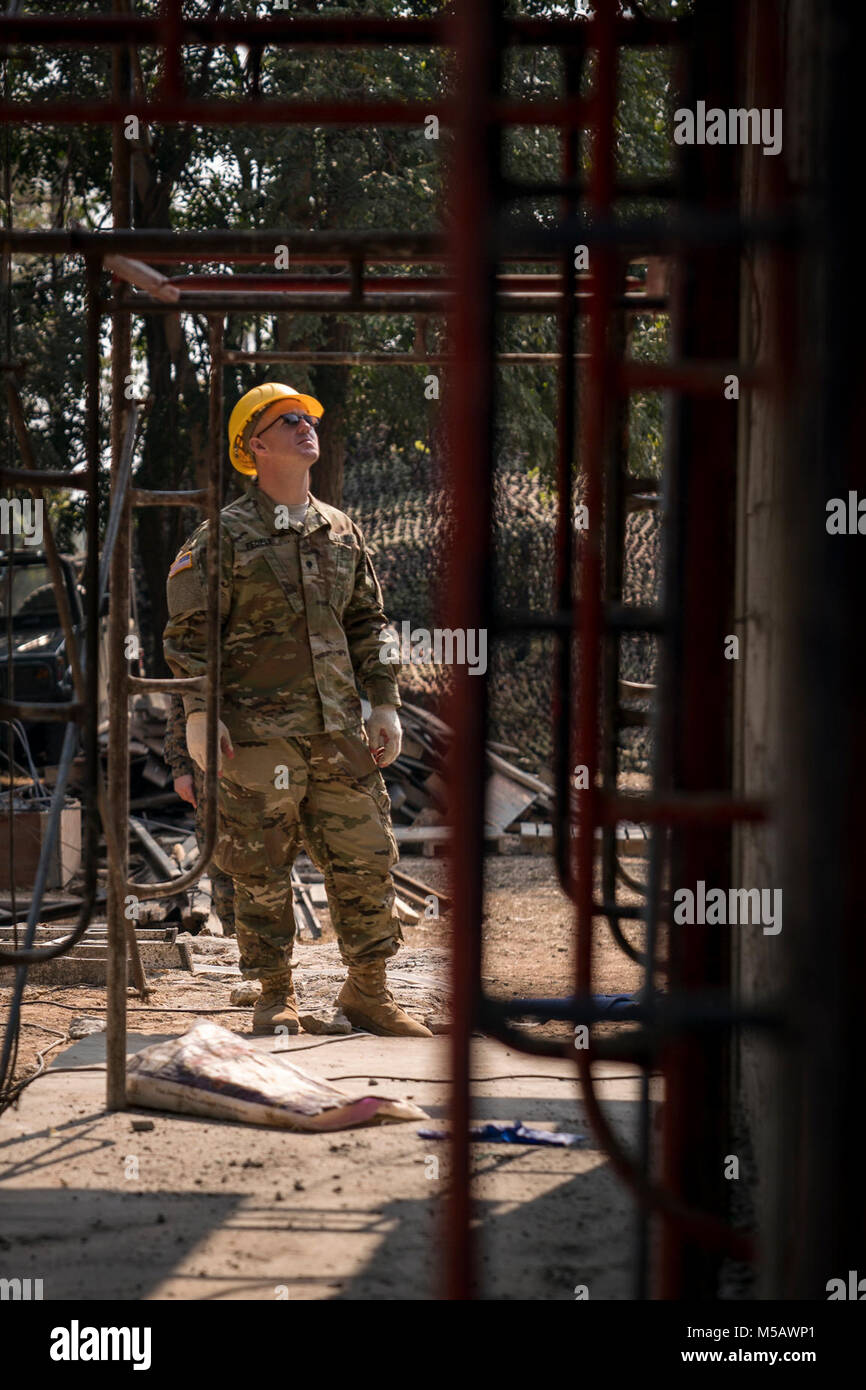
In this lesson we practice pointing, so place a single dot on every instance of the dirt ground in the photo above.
(198, 1209)
(528, 950)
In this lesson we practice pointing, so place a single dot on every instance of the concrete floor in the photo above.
(199, 1209)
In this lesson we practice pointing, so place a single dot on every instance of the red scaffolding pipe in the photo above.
(357, 31)
(469, 414)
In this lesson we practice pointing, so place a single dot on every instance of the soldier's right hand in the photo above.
(196, 727)
(185, 788)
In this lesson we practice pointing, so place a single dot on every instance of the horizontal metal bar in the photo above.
(683, 808)
(148, 497)
(171, 686)
(597, 1008)
(283, 283)
(665, 1014)
(693, 378)
(276, 283)
(389, 359)
(568, 33)
(251, 301)
(377, 246)
(245, 257)
(628, 718)
(618, 910)
(166, 255)
(684, 226)
(71, 711)
(617, 616)
(49, 911)
(46, 477)
(579, 187)
(395, 302)
(193, 111)
(635, 484)
(355, 31)
(535, 282)
(85, 30)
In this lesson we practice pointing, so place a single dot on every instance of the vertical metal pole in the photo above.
(118, 629)
(212, 693)
(700, 596)
(588, 621)
(470, 401)
(564, 752)
(172, 78)
(818, 1227)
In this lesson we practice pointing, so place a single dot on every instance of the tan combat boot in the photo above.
(276, 1006)
(368, 1003)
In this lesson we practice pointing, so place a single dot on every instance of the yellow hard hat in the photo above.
(254, 403)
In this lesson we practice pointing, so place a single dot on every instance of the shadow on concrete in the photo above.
(578, 1232)
(90, 1243)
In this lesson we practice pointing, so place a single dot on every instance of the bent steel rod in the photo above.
(29, 954)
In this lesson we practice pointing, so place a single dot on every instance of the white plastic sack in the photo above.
(214, 1072)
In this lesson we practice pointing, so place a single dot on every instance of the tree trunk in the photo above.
(332, 389)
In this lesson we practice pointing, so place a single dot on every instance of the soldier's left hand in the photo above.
(385, 734)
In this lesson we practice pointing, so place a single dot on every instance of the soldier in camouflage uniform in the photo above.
(301, 622)
(189, 785)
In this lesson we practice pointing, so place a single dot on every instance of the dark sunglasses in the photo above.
(292, 417)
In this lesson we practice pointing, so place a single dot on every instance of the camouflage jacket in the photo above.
(301, 617)
(175, 751)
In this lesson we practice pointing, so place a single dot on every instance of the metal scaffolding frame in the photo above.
(691, 809)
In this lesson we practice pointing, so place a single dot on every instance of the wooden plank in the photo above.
(396, 795)
(423, 890)
(421, 834)
(405, 912)
(306, 912)
(435, 785)
(518, 775)
(631, 838)
(426, 717)
(433, 834)
(505, 800)
(415, 799)
(155, 852)
(45, 936)
(86, 964)
(412, 747)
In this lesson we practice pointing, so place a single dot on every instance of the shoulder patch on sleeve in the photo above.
(184, 586)
(183, 562)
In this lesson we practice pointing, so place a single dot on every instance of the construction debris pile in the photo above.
(518, 817)
(519, 805)
(163, 845)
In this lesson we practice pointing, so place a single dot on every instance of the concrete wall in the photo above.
(757, 748)
(763, 742)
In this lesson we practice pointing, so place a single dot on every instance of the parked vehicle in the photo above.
(40, 662)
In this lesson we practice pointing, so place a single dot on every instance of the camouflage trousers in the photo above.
(325, 792)
(222, 888)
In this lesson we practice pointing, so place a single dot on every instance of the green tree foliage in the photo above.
(289, 178)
